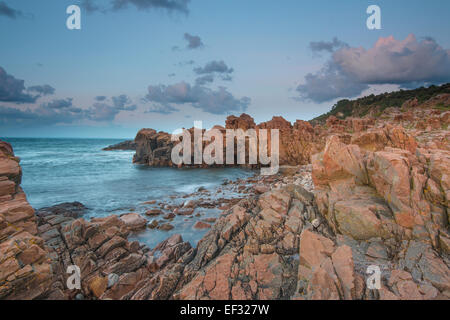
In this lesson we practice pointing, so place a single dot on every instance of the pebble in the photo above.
(316, 223)
(112, 279)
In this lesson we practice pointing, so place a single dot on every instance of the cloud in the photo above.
(210, 70)
(402, 62)
(226, 77)
(9, 12)
(89, 6)
(55, 112)
(214, 66)
(115, 5)
(201, 81)
(58, 104)
(62, 111)
(101, 111)
(185, 63)
(162, 109)
(13, 90)
(9, 115)
(42, 89)
(396, 62)
(100, 98)
(329, 83)
(194, 42)
(218, 101)
(328, 46)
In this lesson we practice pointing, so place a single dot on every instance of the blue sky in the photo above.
(259, 55)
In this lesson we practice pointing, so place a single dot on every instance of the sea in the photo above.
(58, 170)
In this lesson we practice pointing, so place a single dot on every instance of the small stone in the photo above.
(169, 216)
(112, 279)
(134, 221)
(153, 212)
(79, 297)
(260, 189)
(134, 246)
(201, 225)
(166, 227)
(153, 224)
(306, 215)
(184, 211)
(190, 204)
(316, 223)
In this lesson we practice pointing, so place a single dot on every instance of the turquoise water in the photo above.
(107, 182)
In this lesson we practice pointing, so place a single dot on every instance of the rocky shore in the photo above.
(125, 145)
(351, 193)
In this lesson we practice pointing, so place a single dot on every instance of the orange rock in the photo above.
(201, 225)
(134, 221)
(343, 264)
(98, 286)
(31, 255)
(314, 248)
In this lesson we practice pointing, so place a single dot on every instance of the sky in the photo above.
(164, 64)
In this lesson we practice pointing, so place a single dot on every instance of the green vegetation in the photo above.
(442, 107)
(362, 106)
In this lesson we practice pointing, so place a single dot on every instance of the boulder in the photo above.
(134, 221)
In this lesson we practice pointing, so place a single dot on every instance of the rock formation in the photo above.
(125, 145)
(297, 142)
(380, 198)
(25, 271)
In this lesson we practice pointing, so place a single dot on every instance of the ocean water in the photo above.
(107, 182)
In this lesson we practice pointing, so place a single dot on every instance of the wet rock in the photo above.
(169, 216)
(153, 212)
(69, 209)
(201, 225)
(134, 221)
(165, 227)
(154, 224)
(190, 204)
(183, 211)
(125, 145)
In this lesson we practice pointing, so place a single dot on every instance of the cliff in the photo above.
(25, 270)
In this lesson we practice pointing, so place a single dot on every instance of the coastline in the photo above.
(374, 195)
